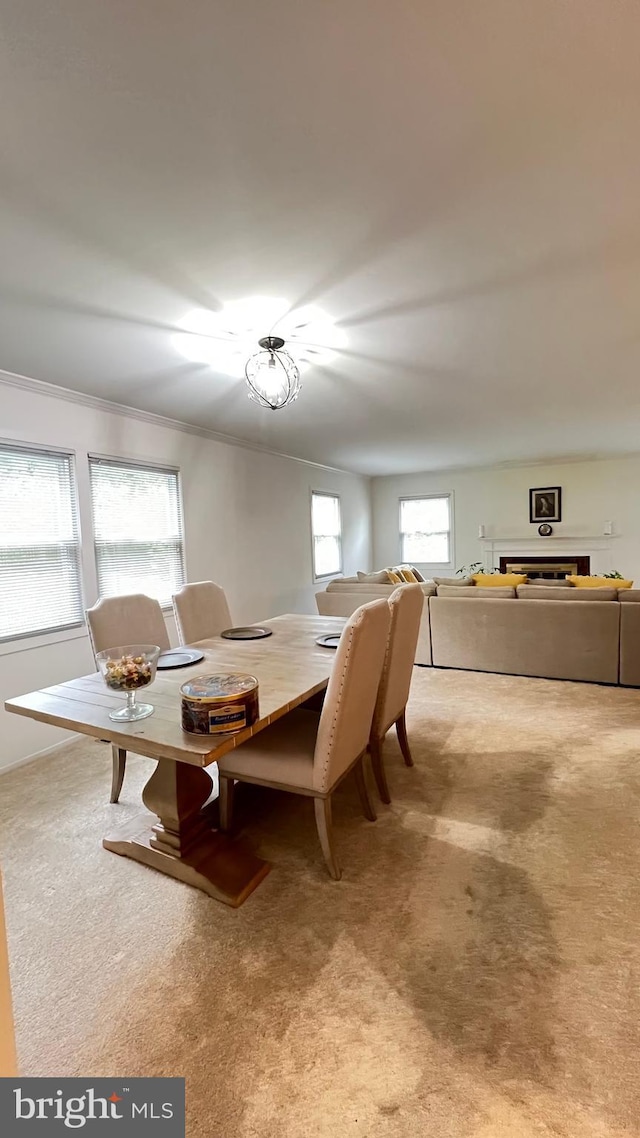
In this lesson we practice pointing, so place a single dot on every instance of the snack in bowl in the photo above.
(127, 669)
(128, 673)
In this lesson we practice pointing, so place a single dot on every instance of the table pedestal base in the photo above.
(177, 839)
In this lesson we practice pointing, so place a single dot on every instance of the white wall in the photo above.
(498, 498)
(247, 526)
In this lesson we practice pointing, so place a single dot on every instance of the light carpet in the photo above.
(475, 973)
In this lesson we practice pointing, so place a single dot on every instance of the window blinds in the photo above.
(40, 584)
(326, 527)
(137, 523)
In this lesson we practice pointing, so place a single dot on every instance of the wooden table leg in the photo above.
(176, 837)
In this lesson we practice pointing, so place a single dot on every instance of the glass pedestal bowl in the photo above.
(127, 669)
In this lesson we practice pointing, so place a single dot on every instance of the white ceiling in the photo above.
(457, 183)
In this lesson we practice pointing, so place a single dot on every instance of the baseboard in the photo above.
(40, 754)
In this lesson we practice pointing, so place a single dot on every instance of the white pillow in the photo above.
(379, 578)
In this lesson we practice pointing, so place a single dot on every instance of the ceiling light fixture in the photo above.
(272, 375)
(225, 339)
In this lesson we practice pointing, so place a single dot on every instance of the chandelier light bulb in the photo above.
(272, 375)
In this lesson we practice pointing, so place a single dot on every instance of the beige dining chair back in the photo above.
(114, 621)
(310, 754)
(406, 605)
(347, 712)
(201, 611)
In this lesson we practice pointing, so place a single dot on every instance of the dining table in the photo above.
(177, 834)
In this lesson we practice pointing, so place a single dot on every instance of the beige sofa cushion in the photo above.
(629, 595)
(475, 592)
(365, 589)
(454, 581)
(630, 641)
(368, 589)
(550, 582)
(542, 593)
(561, 641)
(379, 578)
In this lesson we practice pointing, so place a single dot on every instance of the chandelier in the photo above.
(226, 339)
(272, 375)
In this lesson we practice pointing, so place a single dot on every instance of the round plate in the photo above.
(248, 633)
(179, 657)
(331, 640)
(545, 530)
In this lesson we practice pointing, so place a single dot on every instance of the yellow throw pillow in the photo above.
(599, 582)
(394, 577)
(498, 580)
(407, 575)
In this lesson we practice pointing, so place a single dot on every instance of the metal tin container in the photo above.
(223, 703)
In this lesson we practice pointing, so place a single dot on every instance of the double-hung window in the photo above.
(137, 525)
(425, 530)
(326, 528)
(40, 579)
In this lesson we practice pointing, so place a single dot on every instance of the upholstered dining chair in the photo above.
(201, 611)
(131, 619)
(309, 753)
(405, 605)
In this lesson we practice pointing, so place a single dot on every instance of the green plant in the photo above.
(614, 573)
(475, 567)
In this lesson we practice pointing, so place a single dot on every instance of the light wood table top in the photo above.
(175, 834)
(289, 666)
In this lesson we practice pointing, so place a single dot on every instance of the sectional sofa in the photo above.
(555, 632)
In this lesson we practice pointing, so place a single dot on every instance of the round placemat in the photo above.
(330, 640)
(246, 633)
(179, 657)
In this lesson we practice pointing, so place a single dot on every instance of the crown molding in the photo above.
(82, 399)
(514, 464)
(567, 459)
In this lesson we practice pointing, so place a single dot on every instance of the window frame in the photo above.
(448, 495)
(316, 577)
(143, 464)
(41, 637)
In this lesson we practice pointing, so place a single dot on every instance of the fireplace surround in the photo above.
(551, 568)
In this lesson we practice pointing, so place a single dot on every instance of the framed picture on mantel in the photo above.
(545, 504)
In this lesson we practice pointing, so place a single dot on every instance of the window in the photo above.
(425, 530)
(137, 524)
(40, 588)
(326, 528)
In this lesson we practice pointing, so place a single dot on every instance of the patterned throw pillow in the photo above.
(394, 577)
(407, 575)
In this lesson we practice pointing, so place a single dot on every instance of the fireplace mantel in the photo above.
(599, 549)
(542, 542)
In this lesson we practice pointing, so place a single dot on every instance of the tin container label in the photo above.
(229, 718)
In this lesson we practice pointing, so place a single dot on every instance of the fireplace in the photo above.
(551, 568)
